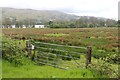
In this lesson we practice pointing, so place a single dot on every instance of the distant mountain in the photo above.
(30, 16)
(41, 15)
(44, 15)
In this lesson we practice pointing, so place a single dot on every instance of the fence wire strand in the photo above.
(60, 45)
(57, 50)
(43, 57)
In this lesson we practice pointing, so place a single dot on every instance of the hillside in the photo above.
(43, 15)
(27, 16)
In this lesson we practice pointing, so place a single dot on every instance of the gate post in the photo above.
(28, 46)
(88, 55)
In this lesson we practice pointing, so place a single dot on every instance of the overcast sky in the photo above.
(98, 8)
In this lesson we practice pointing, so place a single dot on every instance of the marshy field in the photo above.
(104, 62)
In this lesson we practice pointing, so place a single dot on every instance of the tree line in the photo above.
(82, 22)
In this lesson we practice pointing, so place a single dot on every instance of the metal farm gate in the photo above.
(59, 56)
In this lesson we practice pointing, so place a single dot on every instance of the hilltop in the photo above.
(43, 15)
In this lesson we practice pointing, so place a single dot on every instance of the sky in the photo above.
(97, 8)
(119, 10)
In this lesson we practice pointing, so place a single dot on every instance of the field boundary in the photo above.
(51, 55)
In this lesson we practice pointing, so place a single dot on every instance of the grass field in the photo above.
(31, 70)
(34, 71)
(104, 42)
(101, 38)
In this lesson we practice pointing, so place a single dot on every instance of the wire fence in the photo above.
(59, 56)
(59, 45)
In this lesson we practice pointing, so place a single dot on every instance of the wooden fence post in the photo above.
(28, 46)
(88, 55)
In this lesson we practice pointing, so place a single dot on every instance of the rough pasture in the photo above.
(101, 38)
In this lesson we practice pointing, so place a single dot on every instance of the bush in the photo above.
(113, 58)
(103, 70)
(11, 51)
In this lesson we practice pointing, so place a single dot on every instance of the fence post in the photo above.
(28, 46)
(88, 55)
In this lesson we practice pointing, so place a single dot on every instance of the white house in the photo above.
(2, 26)
(39, 26)
(23, 26)
(12, 26)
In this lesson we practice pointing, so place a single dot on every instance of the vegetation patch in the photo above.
(104, 48)
(55, 35)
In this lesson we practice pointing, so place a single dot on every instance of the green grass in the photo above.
(34, 71)
(55, 35)
(100, 46)
(100, 38)
(31, 70)
(0, 68)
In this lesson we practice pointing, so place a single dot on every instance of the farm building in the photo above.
(2, 26)
(13, 26)
(23, 26)
(39, 26)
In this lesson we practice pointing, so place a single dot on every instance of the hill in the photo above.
(61, 19)
(44, 15)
